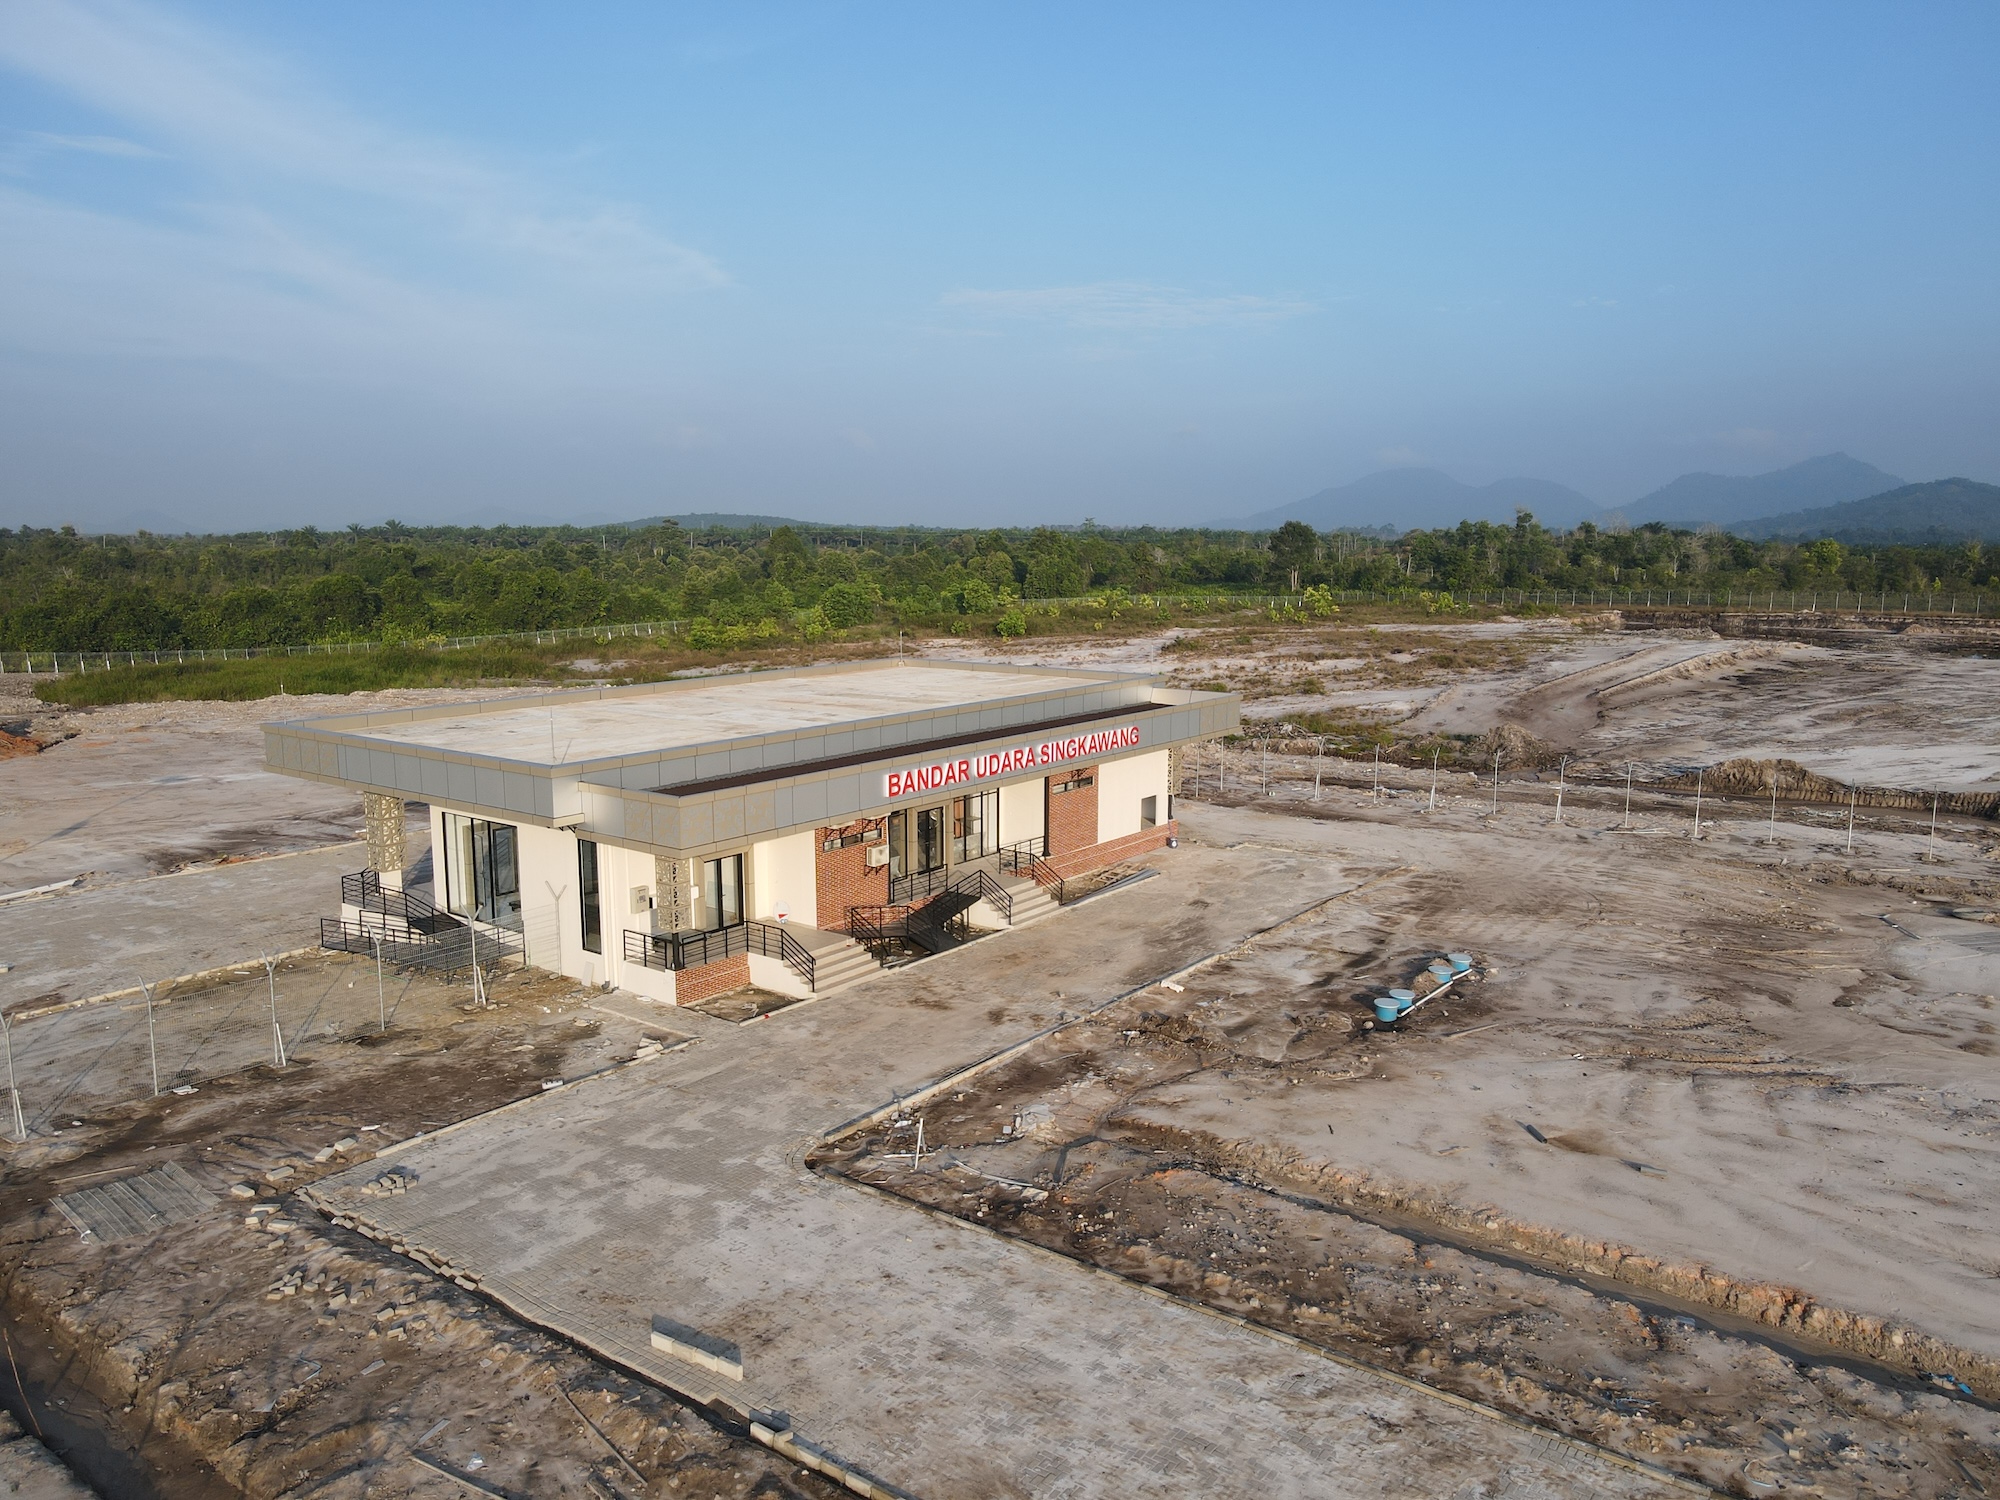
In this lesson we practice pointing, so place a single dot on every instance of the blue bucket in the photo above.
(1387, 1010)
(1441, 971)
(1460, 962)
(1402, 999)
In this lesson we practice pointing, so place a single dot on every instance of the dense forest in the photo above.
(61, 590)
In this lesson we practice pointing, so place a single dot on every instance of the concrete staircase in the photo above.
(1031, 902)
(837, 967)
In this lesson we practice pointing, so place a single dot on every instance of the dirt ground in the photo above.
(1698, 1166)
(256, 1349)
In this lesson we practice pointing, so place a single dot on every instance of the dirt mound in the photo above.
(1519, 749)
(1745, 777)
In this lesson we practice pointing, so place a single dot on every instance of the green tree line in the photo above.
(61, 590)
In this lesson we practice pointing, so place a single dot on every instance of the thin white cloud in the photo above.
(1126, 306)
(226, 106)
(96, 145)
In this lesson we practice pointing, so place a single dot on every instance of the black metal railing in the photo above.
(878, 928)
(940, 922)
(904, 889)
(1019, 858)
(773, 940)
(981, 886)
(364, 890)
(671, 951)
(445, 951)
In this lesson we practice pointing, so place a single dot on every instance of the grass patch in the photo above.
(267, 676)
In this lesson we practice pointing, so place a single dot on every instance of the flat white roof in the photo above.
(686, 713)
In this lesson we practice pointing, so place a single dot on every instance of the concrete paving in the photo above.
(937, 1357)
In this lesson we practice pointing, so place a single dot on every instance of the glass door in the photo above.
(928, 853)
(975, 826)
(721, 892)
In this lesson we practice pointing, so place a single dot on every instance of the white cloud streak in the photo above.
(1126, 306)
(291, 231)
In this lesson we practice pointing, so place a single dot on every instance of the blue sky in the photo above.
(265, 265)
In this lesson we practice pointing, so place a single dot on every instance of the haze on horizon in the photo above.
(265, 266)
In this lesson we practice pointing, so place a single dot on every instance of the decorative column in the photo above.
(670, 896)
(387, 840)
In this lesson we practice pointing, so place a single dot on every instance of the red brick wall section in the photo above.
(1098, 856)
(694, 985)
(1072, 814)
(843, 877)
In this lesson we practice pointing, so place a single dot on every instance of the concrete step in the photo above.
(837, 967)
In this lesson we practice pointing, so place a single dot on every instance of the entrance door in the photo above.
(927, 845)
(975, 826)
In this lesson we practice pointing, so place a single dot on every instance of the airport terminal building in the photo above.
(788, 828)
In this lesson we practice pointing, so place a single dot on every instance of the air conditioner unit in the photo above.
(878, 856)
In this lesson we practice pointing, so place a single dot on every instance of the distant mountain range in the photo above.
(1832, 495)
(1943, 511)
(1423, 499)
(1722, 499)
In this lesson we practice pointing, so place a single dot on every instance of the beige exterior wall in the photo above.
(782, 874)
(1121, 785)
(1022, 805)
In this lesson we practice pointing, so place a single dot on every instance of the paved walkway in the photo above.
(938, 1357)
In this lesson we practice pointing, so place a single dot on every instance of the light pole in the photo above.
(381, 1004)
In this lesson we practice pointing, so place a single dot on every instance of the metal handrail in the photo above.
(917, 885)
(670, 952)
(773, 940)
(983, 887)
(364, 890)
(875, 927)
(1017, 858)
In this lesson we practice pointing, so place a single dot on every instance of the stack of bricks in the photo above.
(1072, 817)
(844, 875)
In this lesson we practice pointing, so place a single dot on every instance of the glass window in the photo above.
(975, 825)
(482, 876)
(1149, 812)
(898, 831)
(587, 892)
(722, 892)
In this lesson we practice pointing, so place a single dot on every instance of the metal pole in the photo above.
(1698, 775)
(1772, 837)
(1267, 765)
(1562, 782)
(152, 1045)
(277, 1031)
(1934, 813)
(20, 1125)
(381, 1003)
(1434, 781)
(1319, 760)
(1628, 794)
(1853, 796)
(1496, 781)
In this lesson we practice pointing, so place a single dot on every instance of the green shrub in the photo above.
(1013, 623)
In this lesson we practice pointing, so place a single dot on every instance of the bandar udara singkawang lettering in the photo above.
(991, 763)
